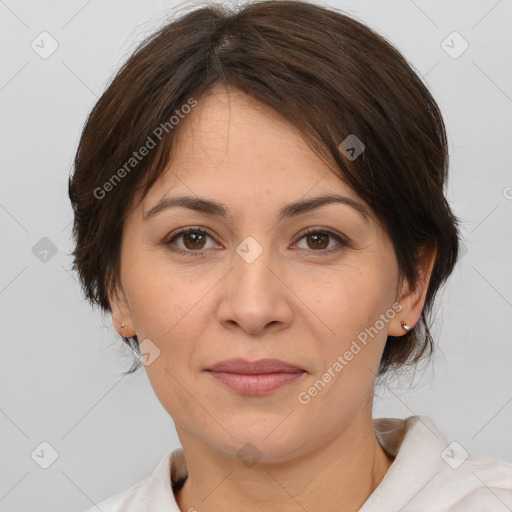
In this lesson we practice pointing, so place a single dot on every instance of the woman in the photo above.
(259, 203)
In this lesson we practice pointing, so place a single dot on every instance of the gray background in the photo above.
(61, 361)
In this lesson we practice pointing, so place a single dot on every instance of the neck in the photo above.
(339, 475)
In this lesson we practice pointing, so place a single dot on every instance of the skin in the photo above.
(296, 302)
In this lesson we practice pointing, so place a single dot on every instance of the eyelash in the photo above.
(201, 252)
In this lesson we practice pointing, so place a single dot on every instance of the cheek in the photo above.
(348, 355)
(170, 308)
(349, 304)
(347, 345)
(168, 303)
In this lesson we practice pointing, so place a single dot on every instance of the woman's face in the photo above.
(256, 285)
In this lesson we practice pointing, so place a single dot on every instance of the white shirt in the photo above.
(427, 475)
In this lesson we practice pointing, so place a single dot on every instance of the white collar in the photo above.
(418, 478)
(417, 444)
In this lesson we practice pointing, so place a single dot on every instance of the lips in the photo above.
(261, 367)
(257, 377)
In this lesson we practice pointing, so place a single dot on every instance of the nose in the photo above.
(255, 296)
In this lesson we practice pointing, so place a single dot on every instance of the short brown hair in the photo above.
(326, 73)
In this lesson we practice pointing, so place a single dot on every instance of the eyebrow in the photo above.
(213, 208)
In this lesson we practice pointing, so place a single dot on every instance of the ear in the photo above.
(121, 313)
(412, 300)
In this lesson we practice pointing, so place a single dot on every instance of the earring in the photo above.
(122, 325)
(405, 326)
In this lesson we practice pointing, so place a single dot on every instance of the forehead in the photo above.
(228, 129)
(230, 142)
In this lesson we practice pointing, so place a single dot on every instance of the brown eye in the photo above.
(193, 240)
(317, 240)
(189, 241)
(320, 241)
